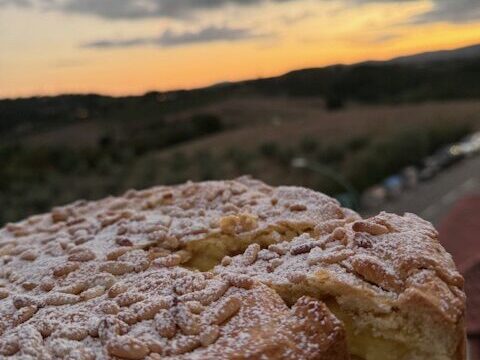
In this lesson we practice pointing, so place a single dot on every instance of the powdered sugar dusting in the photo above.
(376, 262)
(100, 280)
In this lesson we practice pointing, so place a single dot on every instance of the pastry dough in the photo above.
(229, 270)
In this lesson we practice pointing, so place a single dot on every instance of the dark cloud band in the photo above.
(454, 11)
(133, 9)
(457, 11)
(15, 2)
(170, 38)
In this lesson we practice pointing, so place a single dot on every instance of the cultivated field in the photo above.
(258, 135)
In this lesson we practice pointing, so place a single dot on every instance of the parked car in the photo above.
(373, 197)
(441, 159)
(410, 176)
(470, 145)
(394, 185)
(427, 172)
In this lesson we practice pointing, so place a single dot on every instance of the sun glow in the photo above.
(44, 52)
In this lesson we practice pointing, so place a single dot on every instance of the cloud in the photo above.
(293, 19)
(385, 38)
(453, 11)
(15, 2)
(456, 11)
(133, 9)
(118, 43)
(170, 39)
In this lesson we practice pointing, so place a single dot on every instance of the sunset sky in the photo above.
(132, 46)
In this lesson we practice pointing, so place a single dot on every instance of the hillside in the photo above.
(363, 121)
(453, 74)
(469, 52)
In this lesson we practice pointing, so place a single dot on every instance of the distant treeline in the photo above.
(381, 82)
(28, 115)
(375, 82)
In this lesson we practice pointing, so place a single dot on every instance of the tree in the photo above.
(205, 124)
(334, 102)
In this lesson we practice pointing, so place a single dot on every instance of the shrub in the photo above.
(357, 143)
(444, 133)
(285, 156)
(207, 166)
(334, 102)
(410, 146)
(239, 158)
(269, 149)
(331, 154)
(308, 144)
(179, 162)
(205, 124)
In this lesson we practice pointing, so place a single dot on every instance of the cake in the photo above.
(226, 270)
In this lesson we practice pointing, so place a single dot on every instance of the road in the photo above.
(434, 198)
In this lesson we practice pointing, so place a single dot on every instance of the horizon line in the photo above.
(210, 85)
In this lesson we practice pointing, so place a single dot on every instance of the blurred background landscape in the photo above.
(376, 103)
(375, 128)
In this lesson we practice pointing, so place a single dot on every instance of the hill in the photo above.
(453, 74)
(363, 121)
(463, 53)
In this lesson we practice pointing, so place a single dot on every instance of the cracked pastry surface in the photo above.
(103, 279)
(169, 313)
(387, 278)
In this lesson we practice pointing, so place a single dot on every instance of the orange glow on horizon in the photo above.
(51, 62)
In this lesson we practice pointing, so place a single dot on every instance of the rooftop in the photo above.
(459, 234)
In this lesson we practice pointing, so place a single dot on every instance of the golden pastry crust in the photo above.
(373, 268)
(167, 313)
(66, 275)
(82, 253)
